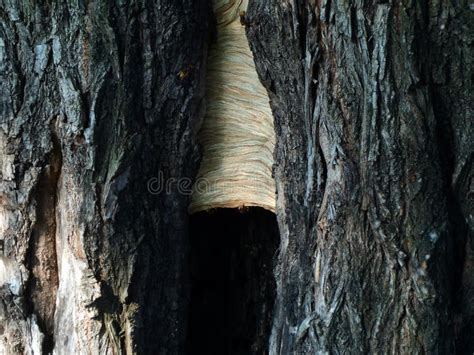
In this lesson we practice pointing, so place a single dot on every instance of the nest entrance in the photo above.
(233, 288)
(237, 134)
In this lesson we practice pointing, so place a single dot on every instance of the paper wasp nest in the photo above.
(237, 133)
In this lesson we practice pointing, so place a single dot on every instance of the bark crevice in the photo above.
(42, 261)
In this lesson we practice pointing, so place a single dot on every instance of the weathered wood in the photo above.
(366, 221)
(103, 78)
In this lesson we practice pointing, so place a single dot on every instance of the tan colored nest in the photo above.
(237, 133)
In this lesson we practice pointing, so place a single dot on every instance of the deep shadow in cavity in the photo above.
(233, 288)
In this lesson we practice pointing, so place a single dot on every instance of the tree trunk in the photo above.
(373, 118)
(373, 167)
(97, 99)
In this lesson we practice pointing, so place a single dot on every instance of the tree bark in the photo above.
(97, 98)
(374, 174)
(373, 166)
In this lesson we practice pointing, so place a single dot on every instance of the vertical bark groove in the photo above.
(43, 282)
(451, 35)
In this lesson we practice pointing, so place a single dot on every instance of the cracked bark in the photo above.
(373, 165)
(371, 184)
(104, 77)
(41, 259)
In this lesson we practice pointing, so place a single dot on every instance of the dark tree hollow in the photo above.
(233, 289)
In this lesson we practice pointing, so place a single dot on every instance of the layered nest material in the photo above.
(237, 133)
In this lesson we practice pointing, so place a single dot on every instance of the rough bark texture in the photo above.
(93, 105)
(373, 166)
(373, 117)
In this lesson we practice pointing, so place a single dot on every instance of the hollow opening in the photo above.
(233, 288)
